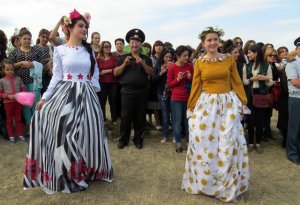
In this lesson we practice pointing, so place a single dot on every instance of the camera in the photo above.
(132, 59)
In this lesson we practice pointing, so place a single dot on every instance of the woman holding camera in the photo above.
(257, 77)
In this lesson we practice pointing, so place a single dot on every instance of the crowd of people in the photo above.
(208, 95)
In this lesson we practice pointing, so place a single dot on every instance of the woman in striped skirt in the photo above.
(68, 147)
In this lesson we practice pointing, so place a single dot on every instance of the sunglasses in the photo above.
(239, 42)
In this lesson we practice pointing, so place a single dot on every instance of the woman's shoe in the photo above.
(164, 140)
(250, 148)
(179, 148)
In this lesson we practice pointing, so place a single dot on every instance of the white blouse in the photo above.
(71, 64)
(254, 73)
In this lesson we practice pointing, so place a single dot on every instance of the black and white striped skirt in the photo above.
(68, 147)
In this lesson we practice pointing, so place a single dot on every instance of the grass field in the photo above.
(153, 176)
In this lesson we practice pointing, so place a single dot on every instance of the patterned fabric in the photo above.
(217, 157)
(68, 147)
(34, 54)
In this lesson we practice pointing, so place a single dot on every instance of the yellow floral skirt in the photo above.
(217, 156)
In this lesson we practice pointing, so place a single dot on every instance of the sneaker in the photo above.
(174, 140)
(159, 127)
(22, 139)
(12, 140)
(164, 140)
(259, 150)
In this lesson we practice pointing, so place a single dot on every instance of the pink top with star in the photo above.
(71, 64)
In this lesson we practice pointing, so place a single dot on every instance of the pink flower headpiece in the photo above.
(75, 15)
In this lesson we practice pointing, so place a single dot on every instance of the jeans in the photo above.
(179, 118)
(293, 135)
(165, 112)
(28, 111)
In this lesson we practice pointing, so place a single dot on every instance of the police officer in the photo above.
(133, 71)
(293, 136)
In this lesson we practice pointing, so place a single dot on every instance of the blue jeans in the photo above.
(165, 112)
(179, 119)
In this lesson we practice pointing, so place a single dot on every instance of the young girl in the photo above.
(9, 86)
(217, 160)
(179, 79)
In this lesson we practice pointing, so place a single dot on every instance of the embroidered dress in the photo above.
(217, 157)
(68, 147)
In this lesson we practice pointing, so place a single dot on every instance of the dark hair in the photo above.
(280, 50)
(168, 44)
(13, 38)
(165, 51)
(260, 55)
(120, 39)
(92, 36)
(238, 38)
(85, 44)
(261, 44)
(101, 53)
(228, 46)
(264, 48)
(180, 49)
(7, 61)
(24, 31)
(158, 42)
(246, 46)
(147, 45)
(42, 31)
(3, 45)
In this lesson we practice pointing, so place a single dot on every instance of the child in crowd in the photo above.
(9, 86)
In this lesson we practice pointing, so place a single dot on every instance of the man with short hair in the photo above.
(133, 71)
(293, 136)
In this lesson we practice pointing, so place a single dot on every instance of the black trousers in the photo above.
(133, 111)
(110, 91)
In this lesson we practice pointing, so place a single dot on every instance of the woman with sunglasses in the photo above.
(109, 83)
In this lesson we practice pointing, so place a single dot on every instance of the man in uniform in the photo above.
(293, 136)
(133, 71)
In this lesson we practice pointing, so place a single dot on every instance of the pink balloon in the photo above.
(25, 98)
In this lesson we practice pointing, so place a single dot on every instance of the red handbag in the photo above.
(263, 100)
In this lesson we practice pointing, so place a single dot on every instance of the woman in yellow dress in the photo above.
(217, 157)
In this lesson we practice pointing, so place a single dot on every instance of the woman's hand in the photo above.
(180, 76)
(188, 75)
(40, 104)
(11, 97)
(262, 78)
(163, 69)
(27, 64)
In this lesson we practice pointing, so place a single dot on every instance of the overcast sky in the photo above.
(177, 21)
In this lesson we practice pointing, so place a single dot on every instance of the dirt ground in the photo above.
(153, 176)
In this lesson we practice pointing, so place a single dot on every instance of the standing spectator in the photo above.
(257, 77)
(23, 58)
(157, 49)
(282, 123)
(164, 61)
(119, 44)
(133, 71)
(95, 42)
(15, 41)
(108, 82)
(148, 48)
(247, 45)
(293, 135)
(9, 86)
(238, 42)
(42, 45)
(179, 79)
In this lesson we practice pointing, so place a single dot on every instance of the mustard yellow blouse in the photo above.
(216, 76)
